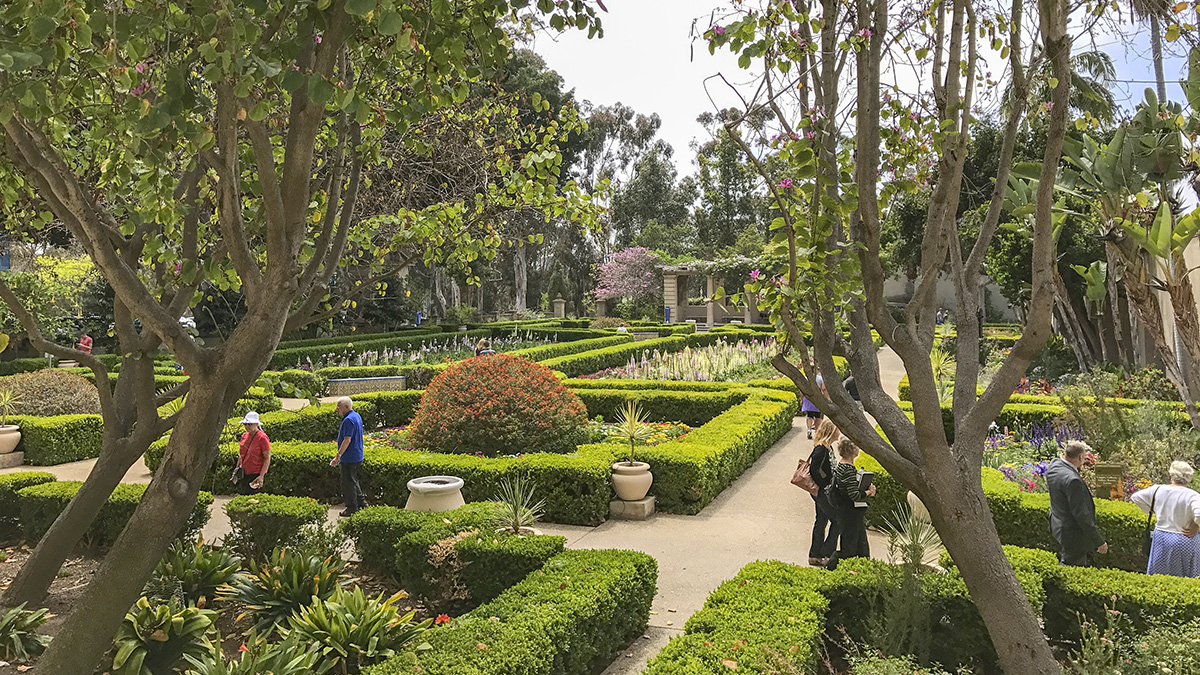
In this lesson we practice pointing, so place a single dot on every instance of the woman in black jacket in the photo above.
(820, 467)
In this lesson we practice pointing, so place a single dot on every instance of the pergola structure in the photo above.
(675, 299)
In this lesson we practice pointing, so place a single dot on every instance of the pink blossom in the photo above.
(631, 273)
(317, 39)
(864, 33)
(141, 67)
(1050, 105)
(785, 183)
(810, 135)
(755, 274)
(719, 30)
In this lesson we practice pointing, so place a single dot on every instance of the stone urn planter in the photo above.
(631, 480)
(434, 493)
(10, 436)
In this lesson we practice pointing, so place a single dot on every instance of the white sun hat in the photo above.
(250, 418)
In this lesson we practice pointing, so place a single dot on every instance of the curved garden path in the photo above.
(761, 516)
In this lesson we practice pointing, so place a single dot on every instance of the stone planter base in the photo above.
(365, 385)
(642, 509)
(435, 493)
(11, 459)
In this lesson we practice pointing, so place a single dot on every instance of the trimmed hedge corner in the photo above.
(47, 441)
(41, 504)
(259, 523)
(569, 618)
(10, 504)
(398, 543)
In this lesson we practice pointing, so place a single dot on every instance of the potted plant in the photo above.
(10, 434)
(632, 479)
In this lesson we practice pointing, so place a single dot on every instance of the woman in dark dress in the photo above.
(851, 519)
(820, 467)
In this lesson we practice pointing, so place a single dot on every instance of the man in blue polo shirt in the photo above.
(350, 456)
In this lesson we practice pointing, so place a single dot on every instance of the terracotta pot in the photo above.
(10, 436)
(631, 480)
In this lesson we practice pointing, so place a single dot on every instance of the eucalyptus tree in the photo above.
(843, 155)
(207, 141)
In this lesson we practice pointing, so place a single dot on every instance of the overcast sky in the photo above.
(647, 60)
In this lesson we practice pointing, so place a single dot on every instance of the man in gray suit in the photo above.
(1072, 512)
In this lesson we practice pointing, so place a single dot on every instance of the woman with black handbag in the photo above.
(1174, 548)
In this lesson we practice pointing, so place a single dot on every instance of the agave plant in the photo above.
(9, 398)
(283, 584)
(292, 656)
(943, 364)
(158, 638)
(515, 508)
(350, 631)
(196, 571)
(19, 638)
(912, 540)
(631, 426)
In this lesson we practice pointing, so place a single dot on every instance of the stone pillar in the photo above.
(560, 307)
(601, 308)
(713, 284)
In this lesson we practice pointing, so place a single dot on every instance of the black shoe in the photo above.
(347, 513)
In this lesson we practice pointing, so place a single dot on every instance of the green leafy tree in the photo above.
(192, 142)
(729, 200)
(832, 178)
(653, 193)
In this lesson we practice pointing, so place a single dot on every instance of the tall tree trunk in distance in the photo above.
(1156, 52)
(520, 278)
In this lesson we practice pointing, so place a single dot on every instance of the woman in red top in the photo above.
(254, 456)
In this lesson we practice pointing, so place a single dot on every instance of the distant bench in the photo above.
(363, 385)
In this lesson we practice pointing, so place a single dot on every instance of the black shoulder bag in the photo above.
(1148, 534)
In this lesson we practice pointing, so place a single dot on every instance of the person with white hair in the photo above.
(1174, 548)
(1072, 511)
(350, 456)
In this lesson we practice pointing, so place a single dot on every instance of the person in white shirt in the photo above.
(1174, 547)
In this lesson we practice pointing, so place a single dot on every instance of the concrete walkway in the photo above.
(761, 516)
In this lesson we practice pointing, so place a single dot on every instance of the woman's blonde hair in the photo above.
(826, 432)
(845, 448)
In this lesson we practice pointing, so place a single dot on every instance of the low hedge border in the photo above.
(552, 351)
(41, 504)
(1023, 518)
(59, 439)
(10, 504)
(569, 618)
(398, 542)
(689, 472)
(14, 366)
(417, 375)
(786, 609)
(260, 523)
(359, 337)
(586, 363)
(1012, 415)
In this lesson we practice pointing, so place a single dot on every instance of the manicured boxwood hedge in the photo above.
(693, 408)
(586, 363)
(10, 505)
(551, 333)
(1012, 415)
(417, 376)
(15, 366)
(1023, 518)
(60, 438)
(397, 542)
(41, 504)
(569, 618)
(359, 337)
(262, 522)
(689, 472)
(557, 349)
(786, 609)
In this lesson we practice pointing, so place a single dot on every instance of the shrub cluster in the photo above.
(14, 366)
(41, 504)
(557, 349)
(262, 522)
(359, 337)
(47, 441)
(417, 376)
(571, 618)
(412, 547)
(52, 392)
(498, 405)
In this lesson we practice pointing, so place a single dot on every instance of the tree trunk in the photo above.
(1160, 79)
(58, 543)
(961, 516)
(520, 278)
(88, 631)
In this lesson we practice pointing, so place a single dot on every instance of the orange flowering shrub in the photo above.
(498, 405)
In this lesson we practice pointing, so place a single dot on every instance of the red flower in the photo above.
(441, 619)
